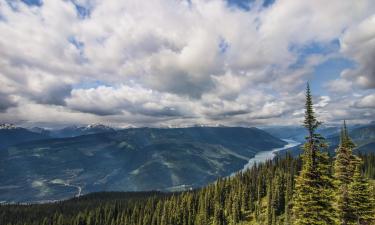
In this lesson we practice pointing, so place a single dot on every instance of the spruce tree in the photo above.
(347, 141)
(361, 199)
(343, 172)
(270, 200)
(313, 195)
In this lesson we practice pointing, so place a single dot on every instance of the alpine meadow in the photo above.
(187, 112)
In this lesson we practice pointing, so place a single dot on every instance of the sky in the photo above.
(185, 62)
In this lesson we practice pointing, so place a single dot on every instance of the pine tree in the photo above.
(313, 192)
(361, 199)
(347, 141)
(270, 201)
(289, 189)
(343, 173)
(344, 159)
(288, 195)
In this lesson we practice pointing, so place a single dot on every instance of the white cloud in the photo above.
(170, 62)
(367, 101)
(358, 43)
(340, 85)
(136, 100)
(323, 101)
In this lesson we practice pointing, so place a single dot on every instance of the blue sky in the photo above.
(33, 2)
(328, 71)
(235, 62)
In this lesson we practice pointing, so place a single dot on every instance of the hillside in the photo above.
(10, 135)
(242, 199)
(363, 136)
(127, 160)
(298, 133)
(72, 131)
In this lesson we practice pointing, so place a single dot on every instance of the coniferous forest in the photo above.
(313, 189)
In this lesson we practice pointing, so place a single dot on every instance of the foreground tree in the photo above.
(360, 198)
(313, 195)
(344, 166)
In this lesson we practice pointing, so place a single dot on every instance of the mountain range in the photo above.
(38, 164)
(11, 134)
(362, 135)
(73, 131)
(136, 159)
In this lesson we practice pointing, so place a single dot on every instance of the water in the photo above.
(269, 155)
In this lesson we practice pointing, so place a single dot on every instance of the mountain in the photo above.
(10, 135)
(362, 135)
(40, 130)
(298, 133)
(74, 131)
(136, 159)
(241, 199)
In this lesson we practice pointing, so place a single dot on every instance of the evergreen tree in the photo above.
(313, 192)
(217, 203)
(361, 199)
(346, 140)
(343, 173)
(288, 195)
(270, 201)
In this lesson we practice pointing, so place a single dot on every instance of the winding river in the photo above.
(268, 155)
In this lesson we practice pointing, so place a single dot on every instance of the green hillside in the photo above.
(244, 198)
(127, 160)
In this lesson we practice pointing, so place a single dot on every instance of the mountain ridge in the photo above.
(135, 159)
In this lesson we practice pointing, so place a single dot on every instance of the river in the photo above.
(268, 155)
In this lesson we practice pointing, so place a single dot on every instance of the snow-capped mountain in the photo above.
(98, 126)
(11, 135)
(7, 126)
(74, 131)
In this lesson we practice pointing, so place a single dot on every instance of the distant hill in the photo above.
(135, 159)
(73, 131)
(235, 196)
(363, 136)
(298, 133)
(10, 135)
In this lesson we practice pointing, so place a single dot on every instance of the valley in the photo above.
(139, 159)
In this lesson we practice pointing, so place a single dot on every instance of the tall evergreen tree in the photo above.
(361, 199)
(343, 172)
(313, 192)
(346, 140)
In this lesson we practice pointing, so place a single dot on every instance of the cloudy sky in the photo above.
(185, 62)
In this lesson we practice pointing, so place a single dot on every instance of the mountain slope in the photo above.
(73, 131)
(10, 135)
(363, 136)
(241, 199)
(298, 133)
(127, 160)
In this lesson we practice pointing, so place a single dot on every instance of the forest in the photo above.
(313, 189)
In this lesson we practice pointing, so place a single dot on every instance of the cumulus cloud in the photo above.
(340, 85)
(136, 100)
(165, 62)
(6, 102)
(367, 102)
(358, 42)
